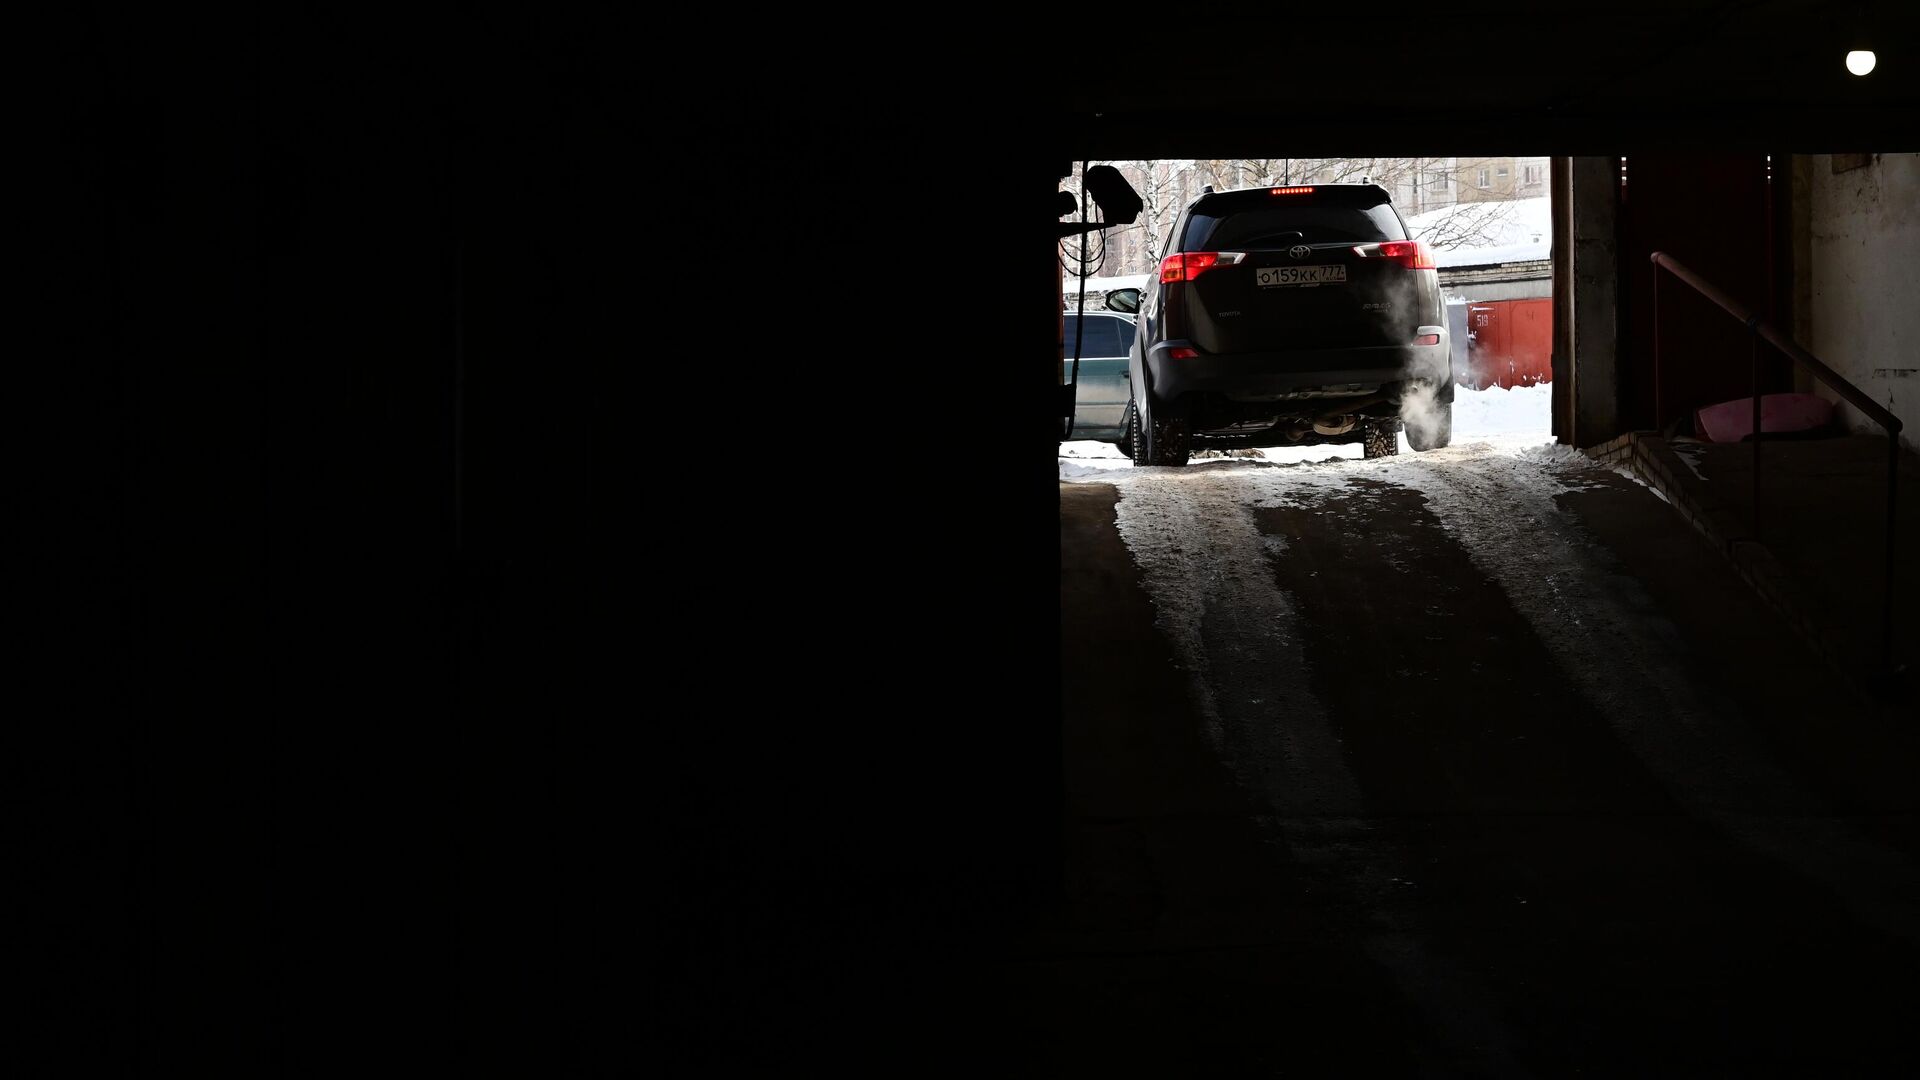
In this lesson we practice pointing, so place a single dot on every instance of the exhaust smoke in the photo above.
(1422, 412)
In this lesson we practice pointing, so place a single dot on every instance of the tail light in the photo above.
(1412, 254)
(1191, 264)
(1182, 352)
(1427, 339)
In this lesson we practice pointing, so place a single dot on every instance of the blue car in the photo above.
(1101, 394)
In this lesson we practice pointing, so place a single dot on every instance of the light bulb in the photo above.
(1860, 61)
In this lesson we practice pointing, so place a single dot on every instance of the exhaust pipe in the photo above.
(1339, 423)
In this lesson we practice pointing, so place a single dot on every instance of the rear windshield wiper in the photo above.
(1273, 236)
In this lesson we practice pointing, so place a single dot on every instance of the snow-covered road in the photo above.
(1480, 687)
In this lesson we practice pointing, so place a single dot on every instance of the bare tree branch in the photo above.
(1419, 186)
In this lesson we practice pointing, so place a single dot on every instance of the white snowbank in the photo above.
(1512, 420)
(1071, 287)
(1522, 231)
(1523, 410)
(1493, 256)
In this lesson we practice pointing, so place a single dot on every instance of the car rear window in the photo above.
(1106, 336)
(1270, 226)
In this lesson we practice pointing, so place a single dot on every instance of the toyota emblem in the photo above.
(1299, 251)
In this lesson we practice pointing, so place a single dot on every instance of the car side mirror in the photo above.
(1126, 300)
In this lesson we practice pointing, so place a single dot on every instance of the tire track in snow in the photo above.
(1610, 641)
(1236, 634)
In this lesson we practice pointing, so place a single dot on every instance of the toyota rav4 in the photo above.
(1288, 316)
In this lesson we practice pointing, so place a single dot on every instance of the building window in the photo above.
(1502, 173)
(1439, 183)
(1533, 174)
(1484, 179)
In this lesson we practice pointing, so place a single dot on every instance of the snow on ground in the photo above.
(1522, 415)
(1505, 420)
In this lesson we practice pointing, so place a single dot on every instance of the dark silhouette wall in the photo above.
(1717, 215)
(341, 295)
(441, 686)
(445, 686)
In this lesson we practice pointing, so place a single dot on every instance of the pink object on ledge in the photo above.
(1732, 421)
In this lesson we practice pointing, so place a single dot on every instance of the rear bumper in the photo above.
(1279, 372)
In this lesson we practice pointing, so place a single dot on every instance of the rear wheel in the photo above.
(1136, 435)
(1169, 444)
(1170, 441)
(1435, 434)
(1379, 439)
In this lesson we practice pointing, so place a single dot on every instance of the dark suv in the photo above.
(1287, 316)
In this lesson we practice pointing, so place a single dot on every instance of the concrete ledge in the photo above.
(1653, 461)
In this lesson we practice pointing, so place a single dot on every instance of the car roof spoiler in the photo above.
(1357, 195)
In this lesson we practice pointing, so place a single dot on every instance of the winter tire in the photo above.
(1379, 440)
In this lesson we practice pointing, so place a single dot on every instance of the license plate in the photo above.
(1271, 276)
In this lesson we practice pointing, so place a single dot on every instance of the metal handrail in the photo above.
(1765, 331)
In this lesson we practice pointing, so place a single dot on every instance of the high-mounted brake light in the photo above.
(1191, 264)
(1412, 254)
(1290, 191)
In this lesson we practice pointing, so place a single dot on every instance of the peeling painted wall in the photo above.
(1864, 250)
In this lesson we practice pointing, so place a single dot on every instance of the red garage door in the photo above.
(1512, 343)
